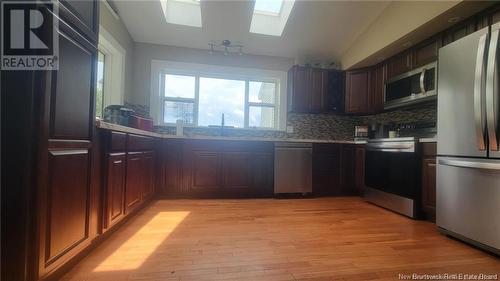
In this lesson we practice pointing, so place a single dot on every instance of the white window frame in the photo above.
(160, 68)
(114, 68)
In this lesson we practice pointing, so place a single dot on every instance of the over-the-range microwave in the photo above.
(415, 86)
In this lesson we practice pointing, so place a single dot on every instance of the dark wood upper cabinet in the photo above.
(376, 97)
(358, 90)
(298, 89)
(399, 64)
(308, 89)
(115, 188)
(335, 96)
(318, 89)
(426, 52)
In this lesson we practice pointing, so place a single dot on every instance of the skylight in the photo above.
(268, 6)
(183, 12)
(270, 16)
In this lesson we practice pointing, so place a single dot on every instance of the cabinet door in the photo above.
(357, 91)
(399, 64)
(298, 89)
(327, 169)
(317, 89)
(335, 94)
(263, 174)
(149, 174)
(133, 187)
(115, 188)
(429, 187)
(348, 170)
(206, 170)
(425, 53)
(73, 88)
(236, 170)
(359, 170)
(65, 208)
(378, 88)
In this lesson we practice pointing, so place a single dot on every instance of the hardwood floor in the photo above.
(265, 239)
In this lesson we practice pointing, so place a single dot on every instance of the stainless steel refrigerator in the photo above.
(468, 164)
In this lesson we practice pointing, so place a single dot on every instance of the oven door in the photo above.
(393, 168)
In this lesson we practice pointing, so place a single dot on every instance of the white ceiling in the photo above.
(318, 30)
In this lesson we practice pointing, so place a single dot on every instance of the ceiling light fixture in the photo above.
(225, 46)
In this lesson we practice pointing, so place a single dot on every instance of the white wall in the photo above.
(120, 33)
(144, 53)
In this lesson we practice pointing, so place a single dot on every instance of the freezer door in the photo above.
(461, 114)
(468, 198)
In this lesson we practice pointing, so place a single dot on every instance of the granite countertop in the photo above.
(125, 129)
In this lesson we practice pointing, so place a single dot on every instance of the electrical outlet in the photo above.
(289, 129)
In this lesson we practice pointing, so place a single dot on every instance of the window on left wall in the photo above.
(110, 72)
(99, 101)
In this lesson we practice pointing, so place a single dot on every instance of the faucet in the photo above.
(222, 125)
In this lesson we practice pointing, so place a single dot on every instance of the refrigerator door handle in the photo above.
(479, 93)
(470, 164)
(492, 92)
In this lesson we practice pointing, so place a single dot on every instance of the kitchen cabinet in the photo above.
(114, 188)
(359, 168)
(134, 185)
(335, 99)
(399, 64)
(149, 175)
(357, 94)
(348, 170)
(307, 89)
(173, 159)
(428, 202)
(376, 96)
(326, 165)
(227, 169)
(426, 52)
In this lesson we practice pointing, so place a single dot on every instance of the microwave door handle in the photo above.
(479, 93)
(422, 81)
(492, 92)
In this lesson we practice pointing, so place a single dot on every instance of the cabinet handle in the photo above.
(117, 162)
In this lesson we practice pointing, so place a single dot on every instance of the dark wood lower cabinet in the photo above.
(115, 188)
(428, 201)
(133, 187)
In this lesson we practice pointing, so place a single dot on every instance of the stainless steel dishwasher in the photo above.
(292, 167)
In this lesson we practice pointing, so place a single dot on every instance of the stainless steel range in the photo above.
(392, 173)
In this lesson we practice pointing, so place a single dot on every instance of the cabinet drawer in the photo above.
(117, 141)
(139, 143)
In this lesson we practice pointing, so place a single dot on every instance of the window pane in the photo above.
(219, 96)
(261, 92)
(99, 101)
(261, 116)
(179, 86)
(175, 110)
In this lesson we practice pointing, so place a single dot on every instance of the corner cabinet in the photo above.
(314, 90)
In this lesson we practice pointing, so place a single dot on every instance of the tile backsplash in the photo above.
(314, 126)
